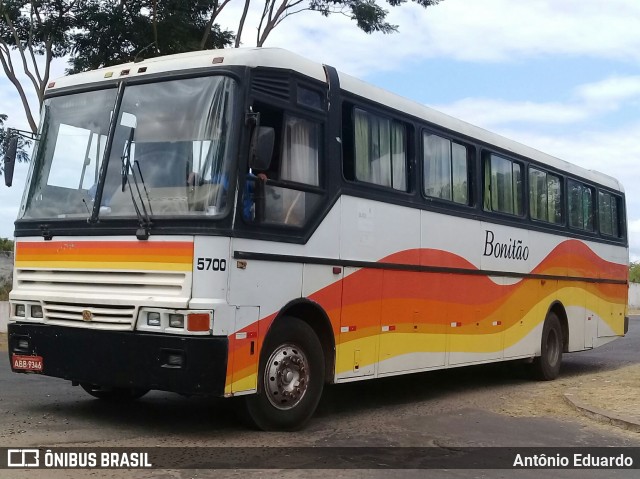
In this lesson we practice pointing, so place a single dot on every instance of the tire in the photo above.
(290, 378)
(546, 367)
(114, 394)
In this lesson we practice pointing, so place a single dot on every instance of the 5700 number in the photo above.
(211, 264)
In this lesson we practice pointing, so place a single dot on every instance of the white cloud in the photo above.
(611, 90)
(491, 30)
(586, 102)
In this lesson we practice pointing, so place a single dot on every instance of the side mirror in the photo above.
(262, 142)
(10, 160)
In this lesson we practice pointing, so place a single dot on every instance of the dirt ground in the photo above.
(616, 391)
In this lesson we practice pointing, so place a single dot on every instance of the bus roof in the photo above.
(280, 58)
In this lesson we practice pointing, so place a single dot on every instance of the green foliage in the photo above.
(634, 272)
(6, 283)
(4, 144)
(6, 244)
(113, 32)
(43, 24)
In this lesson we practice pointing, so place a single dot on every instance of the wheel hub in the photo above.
(286, 376)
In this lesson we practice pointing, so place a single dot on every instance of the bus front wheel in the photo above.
(547, 366)
(290, 377)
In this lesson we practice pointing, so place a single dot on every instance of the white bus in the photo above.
(247, 222)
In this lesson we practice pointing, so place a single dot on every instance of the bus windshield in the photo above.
(170, 153)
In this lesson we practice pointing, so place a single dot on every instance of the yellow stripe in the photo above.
(245, 384)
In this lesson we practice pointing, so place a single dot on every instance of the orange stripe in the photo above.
(106, 251)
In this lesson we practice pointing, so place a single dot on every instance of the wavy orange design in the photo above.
(428, 302)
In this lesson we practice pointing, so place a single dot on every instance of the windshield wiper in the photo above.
(144, 220)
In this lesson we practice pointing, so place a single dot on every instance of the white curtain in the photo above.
(380, 155)
(300, 153)
(437, 167)
(299, 164)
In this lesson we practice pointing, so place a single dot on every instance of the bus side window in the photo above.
(446, 169)
(503, 180)
(545, 196)
(380, 152)
(609, 214)
(581, 211)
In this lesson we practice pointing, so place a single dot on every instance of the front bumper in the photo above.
(128, 359)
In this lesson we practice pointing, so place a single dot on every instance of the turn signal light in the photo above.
(198, 322)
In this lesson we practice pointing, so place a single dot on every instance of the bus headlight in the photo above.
(153, 318)
(176, 321)
(36, 311)
(21, 310)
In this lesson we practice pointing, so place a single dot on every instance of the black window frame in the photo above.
(486, 157)
(349, 148)
(561, 182)
(582, 185)
(470, 169)
(617, 220)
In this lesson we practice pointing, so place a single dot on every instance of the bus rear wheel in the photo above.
(114, 394)
(290, 378)
(546, 367)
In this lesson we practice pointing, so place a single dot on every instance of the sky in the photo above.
(562, 76)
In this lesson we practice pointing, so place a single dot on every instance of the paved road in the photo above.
(446, 409)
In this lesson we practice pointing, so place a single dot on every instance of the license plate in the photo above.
(27, 363)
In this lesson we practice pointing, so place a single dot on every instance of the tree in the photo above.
(6, 245)
(99, 33)
(38, 32)
(113, 32)
(22, 155)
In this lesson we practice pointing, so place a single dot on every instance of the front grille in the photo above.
(116, 317)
